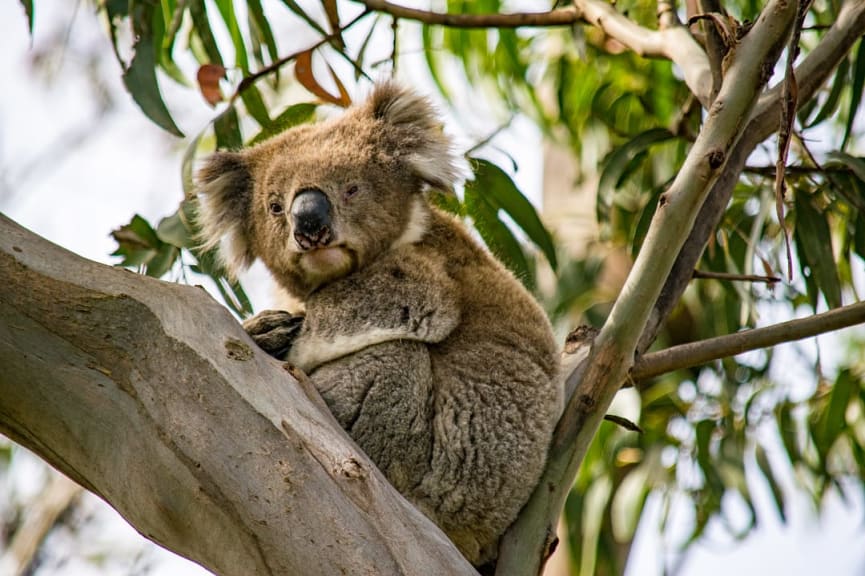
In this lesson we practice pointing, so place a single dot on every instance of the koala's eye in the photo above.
(351, 191)
(276, 208)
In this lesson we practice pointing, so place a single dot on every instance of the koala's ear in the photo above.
(225, 198)
(418, 132)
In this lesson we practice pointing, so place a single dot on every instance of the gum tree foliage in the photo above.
(784, 224)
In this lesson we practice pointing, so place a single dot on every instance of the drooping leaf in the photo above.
(227, 129)
(501, 193)
(140, 76)
(292, 116)
(28, 11)
(615, 164)
(255, 105)
(176, 229)
(815, 242)
(201, 27)
(855, 92)
(208, 78)
(295, 7)
(498, 237)
(261, 25)
(774, 487)
(832, 421)
(304, 74)
(229, 16)
(832, 101)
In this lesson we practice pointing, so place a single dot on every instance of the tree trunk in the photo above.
(151, 395)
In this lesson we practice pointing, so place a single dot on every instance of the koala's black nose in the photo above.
(310, 219)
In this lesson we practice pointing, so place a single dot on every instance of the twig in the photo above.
(249, 80)
(560, 17)
(486, 140)
(40, 517)
(789, 104)
(673, 42)
(735, 277)
(704, 351)
(769, 171)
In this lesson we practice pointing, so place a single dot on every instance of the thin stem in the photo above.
(560, 17)
(696, 353)
(735, 277)
(273, 67)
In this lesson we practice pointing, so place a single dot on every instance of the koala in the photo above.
(427, 350)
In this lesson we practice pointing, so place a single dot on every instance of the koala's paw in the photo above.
(274, 331)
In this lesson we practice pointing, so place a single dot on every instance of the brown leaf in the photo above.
(303, 73)
(209, 76)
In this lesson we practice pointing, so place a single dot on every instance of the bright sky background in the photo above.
(72, 178)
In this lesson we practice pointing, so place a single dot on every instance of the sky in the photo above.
(72, 172)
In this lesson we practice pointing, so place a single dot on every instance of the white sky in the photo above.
(99, 173)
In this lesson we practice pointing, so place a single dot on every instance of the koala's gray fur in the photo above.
(427, 350)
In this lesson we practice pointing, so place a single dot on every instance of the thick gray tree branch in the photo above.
(811, 74)
(612, 353)
(150, 395)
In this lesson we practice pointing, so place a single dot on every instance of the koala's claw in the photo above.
(274, 331)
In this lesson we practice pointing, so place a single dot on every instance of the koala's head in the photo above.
(320, 201)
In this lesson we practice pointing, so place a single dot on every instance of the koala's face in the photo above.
(318, 202)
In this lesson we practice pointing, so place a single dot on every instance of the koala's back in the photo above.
(460, 426)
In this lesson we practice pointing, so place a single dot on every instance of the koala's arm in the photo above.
(404, 296)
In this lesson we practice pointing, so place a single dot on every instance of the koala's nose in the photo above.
(310, 219)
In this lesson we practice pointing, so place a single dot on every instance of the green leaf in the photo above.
(496, 234)
(201, 26)
(294, 115)
(176, 229)
(855, 92)
(186, 176)
(140, 76)
(260, 23)
(255, 105)
(227, 129)
(294, 7)
(831, 104)
(162, 261)
(28, 11)
(814, 239)
(774, 487)
(832, 421)
(855, 164)
(501, 193)
(226, 10)
(618, 161)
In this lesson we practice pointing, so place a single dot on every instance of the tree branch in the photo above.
(696, 353)
(814, 70)
(673, 43)
(151, 395)
(612, 353)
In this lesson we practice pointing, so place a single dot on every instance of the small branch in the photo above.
(39, 519)
(735, 277)
(697, 353)
(673, 42)
(560, 17)
(252, 78)
(769, 171)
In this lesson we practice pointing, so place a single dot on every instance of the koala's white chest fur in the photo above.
(432, 356)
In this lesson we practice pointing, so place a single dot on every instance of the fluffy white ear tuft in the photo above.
(225, 197)
(418, 132)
